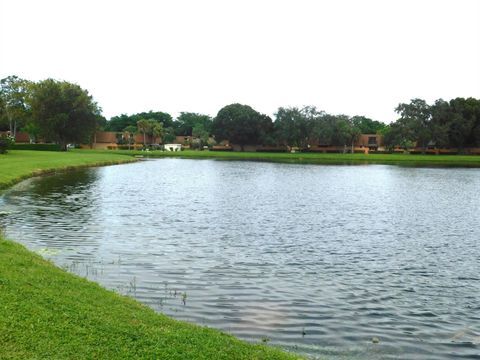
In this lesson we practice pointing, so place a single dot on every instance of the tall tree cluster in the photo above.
(57, 111)
(119, 123)
(307, 126)
(452, 124)
(293, 126)
(160, 126)
(63, 112)
(187, 123)
(152, 128)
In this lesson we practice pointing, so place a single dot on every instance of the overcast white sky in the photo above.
(351, 57)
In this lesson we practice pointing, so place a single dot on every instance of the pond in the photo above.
(346, 262)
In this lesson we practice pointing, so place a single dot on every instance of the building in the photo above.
(371, 141)
(172, 147)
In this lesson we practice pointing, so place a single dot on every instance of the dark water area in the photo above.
(343, 262)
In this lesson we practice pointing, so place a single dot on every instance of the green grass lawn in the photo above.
(21, 164)
(47, 313)
(314, 158)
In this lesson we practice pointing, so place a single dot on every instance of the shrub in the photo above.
(37, 147)
(381, 152)
(274, 149)
(6, 142)
(131, 147)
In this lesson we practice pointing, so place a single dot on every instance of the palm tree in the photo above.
(128, 135)
(157, 130)
(144, 126)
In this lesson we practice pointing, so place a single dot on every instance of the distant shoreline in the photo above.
(468, 161)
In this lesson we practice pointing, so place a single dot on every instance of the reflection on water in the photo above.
(322, 260)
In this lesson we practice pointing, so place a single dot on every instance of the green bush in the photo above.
(272, 149)
(381, 152)
(130, 147)
(6, 143)
(38, 147)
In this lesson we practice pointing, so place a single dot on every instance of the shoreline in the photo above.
(42, 166)
(467, 161)
(76, 317)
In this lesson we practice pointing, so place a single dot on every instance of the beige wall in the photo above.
(105, 137)
(364, 138)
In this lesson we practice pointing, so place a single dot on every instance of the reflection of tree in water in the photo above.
(66, 183)
(55, 211)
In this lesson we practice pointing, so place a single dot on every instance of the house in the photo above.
(370, 141)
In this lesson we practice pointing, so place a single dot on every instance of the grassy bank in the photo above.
(21, 164)
(314, 158)
(47, 313)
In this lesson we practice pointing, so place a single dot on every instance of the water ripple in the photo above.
(358, 262)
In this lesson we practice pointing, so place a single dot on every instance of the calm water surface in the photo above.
(316, 259)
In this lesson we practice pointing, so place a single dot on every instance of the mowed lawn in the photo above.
(21, 164)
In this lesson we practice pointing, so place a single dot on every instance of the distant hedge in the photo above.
(38, 147)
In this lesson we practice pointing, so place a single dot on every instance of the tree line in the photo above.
(64, 113)
(293, 127)
(444, 124)
(161, 125)
(242, 125)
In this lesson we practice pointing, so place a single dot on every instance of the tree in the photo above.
(265, 129)
(294, 126)
(453, 124)
(144, 126)
(32, 129)
(101, 123)
(323, 129)
(367, 125)
(63, 112)
(187, 121)
(4, 126)
(388, 137)
(349, 131)
(5, 142)
(343, 131)
(396, 134)
(199, 132)
(168, 135)
(14, 93)
(157, 130)
(150, 127)
(118, 123)
(129, 135)
(240, 124)
(416, 117)
(440, 123)
(464, 118)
